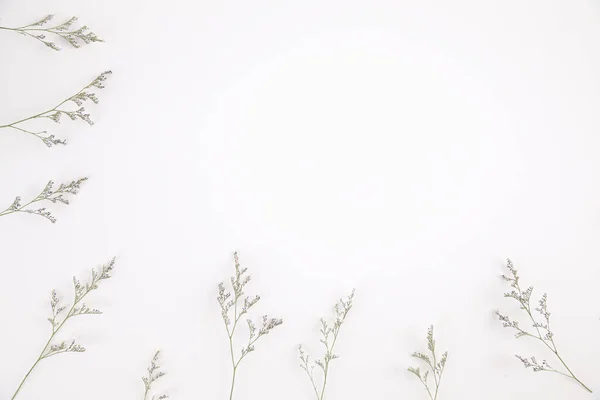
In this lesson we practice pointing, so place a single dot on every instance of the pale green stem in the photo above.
(8, 211)
(553, 347)
(42, 356)
(326, 369)
(13, 125)
(438, 383)
(312, 381)
(230, 334)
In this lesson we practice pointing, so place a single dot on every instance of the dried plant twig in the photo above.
(65, 31)
(48, 194)
(329, 334)
(542, 331)
(55, 114)
(59, 318)
(434, 366)
(240, 305)
(153, 375)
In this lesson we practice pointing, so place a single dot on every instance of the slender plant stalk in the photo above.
(240, 304)
(153, 375)
(74, 37)
(77, 308)
(55, 113)
(329, 336)
(49, 194)
(435, 367)
(542, 329)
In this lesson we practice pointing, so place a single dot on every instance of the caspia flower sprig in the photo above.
(240, 304)
(153, 375)
(49, 194)
(541, 328)
(329, 334)
(435, 367)
(65, 31)
(60, 316)
(57, 112)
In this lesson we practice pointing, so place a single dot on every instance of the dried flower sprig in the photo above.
(75, 37)
(59, 317)
(55, 114)
(542, 331)
(48, 194)
(434, 366)
(153, 375)
(241, 304)
(329, 334)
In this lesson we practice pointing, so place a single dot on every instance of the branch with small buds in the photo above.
(74, 37)
(541, 330)
(241, 304)
(434, 366)
(59, 317)
(329, 335)
(48, 194)
(153, 375)
(56, 113)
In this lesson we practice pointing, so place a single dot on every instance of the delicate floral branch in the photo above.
(65, 31)
(434, 366)
(59, 317)
(153, 375)
(48, 194)
(329, 335)
(541, 331)
(55, 114)
(240, 304)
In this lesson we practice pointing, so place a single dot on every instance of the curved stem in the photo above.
(42, 356)
(8, 211)
(326, 369)
(552, 347)
(439, 381)
(427, 388)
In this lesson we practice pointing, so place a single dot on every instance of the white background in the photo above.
(404, 148)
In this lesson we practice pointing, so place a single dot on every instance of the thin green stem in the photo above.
(44, 114)
(427, 388)
(552, 347)
(78, 297)
(42, 356)
(435, 378)
(63, 31)
(9, 211)
(571, 372)
(232, 384)
(327, 361)
(25, 32)
(312, 381)
(439, 381)
(230, 334)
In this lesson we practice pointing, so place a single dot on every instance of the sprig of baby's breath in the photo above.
(434, 366)
(329, 334)
(542, 331)
(153, 375)
(241, 304)
(49, 194)
(56, 113)
(59, 317)
(74, 37)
